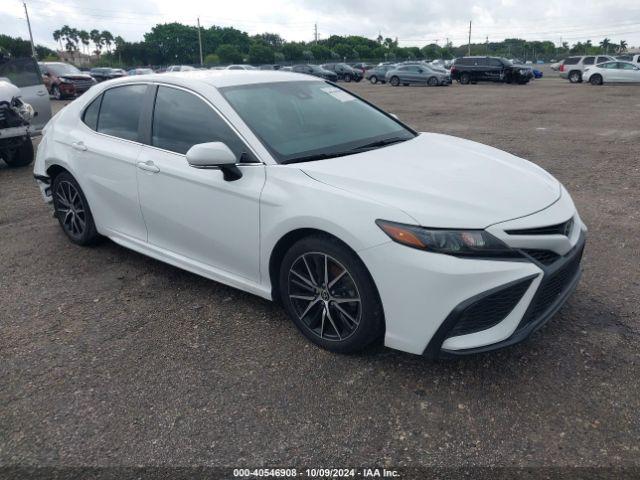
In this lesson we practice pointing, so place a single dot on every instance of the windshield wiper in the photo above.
(317, 156)
(380, 143)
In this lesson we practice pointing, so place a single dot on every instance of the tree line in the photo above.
(176, 43)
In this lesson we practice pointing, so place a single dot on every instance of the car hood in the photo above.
(78, 76)
(443, 181)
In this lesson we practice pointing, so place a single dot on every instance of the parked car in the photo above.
(344, 71)
(316, 71)
(434, 244)
(377, 74)
(629, 58)
(269, 67)
(572, 67)
(417, 74)
(63, 80)
(494, 69)
(25, 74)
(140, 71)
(106, 73)
(241, 67)
(612, 72)
(555, 66)
(361, 67)
(180, 68)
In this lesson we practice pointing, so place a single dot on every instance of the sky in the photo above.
(413, 22)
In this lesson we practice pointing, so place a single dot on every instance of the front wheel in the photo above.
(347, 77)
(20, 156)
(596, 79)
(373, 79)
(72, 210)
(465, 78)
(55, 91)
(395, 81)
(432, 82)
(330, 296)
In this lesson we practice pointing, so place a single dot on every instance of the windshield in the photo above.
(300, 121)
(61, 69)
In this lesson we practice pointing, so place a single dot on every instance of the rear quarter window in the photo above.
(90, 116)
(572, 61)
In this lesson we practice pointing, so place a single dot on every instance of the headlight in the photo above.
(64, 80)
(463, 243)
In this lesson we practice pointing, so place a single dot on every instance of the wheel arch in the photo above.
(286, 242)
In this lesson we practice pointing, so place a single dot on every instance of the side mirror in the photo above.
(214, 155)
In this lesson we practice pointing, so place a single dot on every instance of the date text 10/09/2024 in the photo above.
(316, 473)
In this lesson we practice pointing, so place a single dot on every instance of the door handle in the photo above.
(148, 166)
(80, 146)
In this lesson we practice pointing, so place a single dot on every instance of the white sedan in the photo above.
(291, 188)
(612, 72)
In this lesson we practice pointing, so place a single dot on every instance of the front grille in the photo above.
(563, 228)
(552, 288)
(82, 84)
(545, 257)
(489, 310)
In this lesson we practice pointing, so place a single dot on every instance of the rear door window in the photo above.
(120, 111)
(588, 60)
(22, 72)
(602, 59)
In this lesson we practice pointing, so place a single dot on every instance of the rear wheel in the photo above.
(347, 77)
(72, 210)
(373, 79)
(432, 82)
(395, 81)
(465, 78)
(20, 156)
(330, 296)
(575, 77)
(596, 79)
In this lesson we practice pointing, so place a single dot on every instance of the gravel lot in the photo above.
(110, 358)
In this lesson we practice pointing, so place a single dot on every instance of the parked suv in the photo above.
(376, 74)
(494, 69)
(63, 80)
(105, 73)
(316, 71)
(572, 67)
(417, 74)
(343, 71)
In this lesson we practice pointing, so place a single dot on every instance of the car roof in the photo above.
(221, 78)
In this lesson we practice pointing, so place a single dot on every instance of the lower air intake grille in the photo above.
(552, 288)
(490, 310)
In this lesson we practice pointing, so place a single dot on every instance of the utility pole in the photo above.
(486, 43)
(33, 48)
(315, 32)
(200, 42)
(469, 44)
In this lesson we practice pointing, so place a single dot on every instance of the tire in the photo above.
(19, 156)
(575, 76)
(347, 78)
(405, 84)
(349, 326)
(596, 79)
(394, 81)
(433, 82)
(465, 78)
(57, 94)
(373, 79)
(72, 210)
(357, 79)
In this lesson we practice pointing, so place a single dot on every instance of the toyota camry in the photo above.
(294, 189)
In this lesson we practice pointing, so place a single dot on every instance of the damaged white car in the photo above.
(16, 148)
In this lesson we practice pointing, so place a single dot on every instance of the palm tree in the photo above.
(96, 38)
(57, 36)
(623, 46)
(107, 39)
(84, 38)
(604, 45)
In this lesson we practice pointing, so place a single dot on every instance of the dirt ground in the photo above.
(110, 358)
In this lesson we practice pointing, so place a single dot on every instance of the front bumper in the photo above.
(425, 295)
